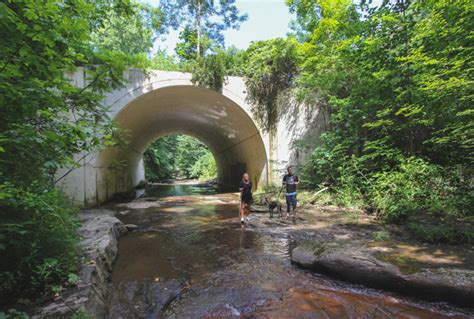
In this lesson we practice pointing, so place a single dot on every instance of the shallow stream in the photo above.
(190, 258)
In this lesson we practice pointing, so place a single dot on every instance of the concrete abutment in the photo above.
(159, 103)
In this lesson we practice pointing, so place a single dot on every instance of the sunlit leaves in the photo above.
(131, 32)
(270, 68)
(46, 121)
(210, 71)
(176, 156)
(398, 82)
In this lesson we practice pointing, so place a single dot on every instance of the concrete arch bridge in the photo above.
(162, 103)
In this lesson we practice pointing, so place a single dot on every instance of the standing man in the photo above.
(290, 180)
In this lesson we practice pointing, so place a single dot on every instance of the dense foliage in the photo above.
(397, 81)
(270, 67)
(133, 32)
(210, 71)
(179, 156)
(41, 41)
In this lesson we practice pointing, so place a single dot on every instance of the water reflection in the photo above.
(163, 190)
(190, 258)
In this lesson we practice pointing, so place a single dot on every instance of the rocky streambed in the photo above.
(186, 255)
(382, 266)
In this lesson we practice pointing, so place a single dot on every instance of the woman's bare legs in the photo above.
(247, 211)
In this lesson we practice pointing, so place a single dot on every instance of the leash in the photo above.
(281, 189)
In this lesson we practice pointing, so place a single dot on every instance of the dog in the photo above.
(272, 205)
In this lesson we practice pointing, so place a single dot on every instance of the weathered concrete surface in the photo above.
(160, 103)
(100, 231)
(357, 262)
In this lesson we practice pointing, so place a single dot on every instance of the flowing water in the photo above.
(190, 258)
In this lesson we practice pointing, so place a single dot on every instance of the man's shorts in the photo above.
(290, 199)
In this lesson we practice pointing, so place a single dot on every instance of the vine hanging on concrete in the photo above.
(270, 69)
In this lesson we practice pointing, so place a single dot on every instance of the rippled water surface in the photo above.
(190, 258)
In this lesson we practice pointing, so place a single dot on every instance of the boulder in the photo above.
(100, 231)
(144, 298)
(353, 261)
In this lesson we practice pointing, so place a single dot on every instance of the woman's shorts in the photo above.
(247, 199)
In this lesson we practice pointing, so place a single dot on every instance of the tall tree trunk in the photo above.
(198, 27)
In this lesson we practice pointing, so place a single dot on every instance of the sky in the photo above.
(267, 19)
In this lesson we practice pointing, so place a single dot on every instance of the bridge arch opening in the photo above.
(179, 156)
(219, 122)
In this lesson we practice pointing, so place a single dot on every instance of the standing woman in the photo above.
(246, 199)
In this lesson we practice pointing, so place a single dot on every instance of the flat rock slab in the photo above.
(100, 231)
(145, 299)
(356, 262)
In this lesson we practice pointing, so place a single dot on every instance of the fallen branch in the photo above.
(313, 198)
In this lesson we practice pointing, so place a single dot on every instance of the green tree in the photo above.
(160, 158)
(395, 80)
(202, 17)
(210, 71)
(234, 61)
(46, 121)
(186, 48)
(132, 32)
(165, 62)
(270, 68)
(189, 152)
(178, 156)
(205, 168)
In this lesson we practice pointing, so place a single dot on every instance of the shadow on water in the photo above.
(190, 258)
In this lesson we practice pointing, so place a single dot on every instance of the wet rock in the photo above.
(141, 203)
(346, 261)
(123, 213)
(143, 299)
(100, 231)
(353, 261)
(131, 227)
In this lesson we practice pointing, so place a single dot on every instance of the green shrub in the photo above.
(382, 235)
(451, 234)
(324, 162)
(81, 314)
(13, 314)
(205, 167)
(351, 184)
(210, 71)
(38, 241)
(417, 186)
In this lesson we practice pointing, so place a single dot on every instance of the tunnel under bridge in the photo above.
(161, 103)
